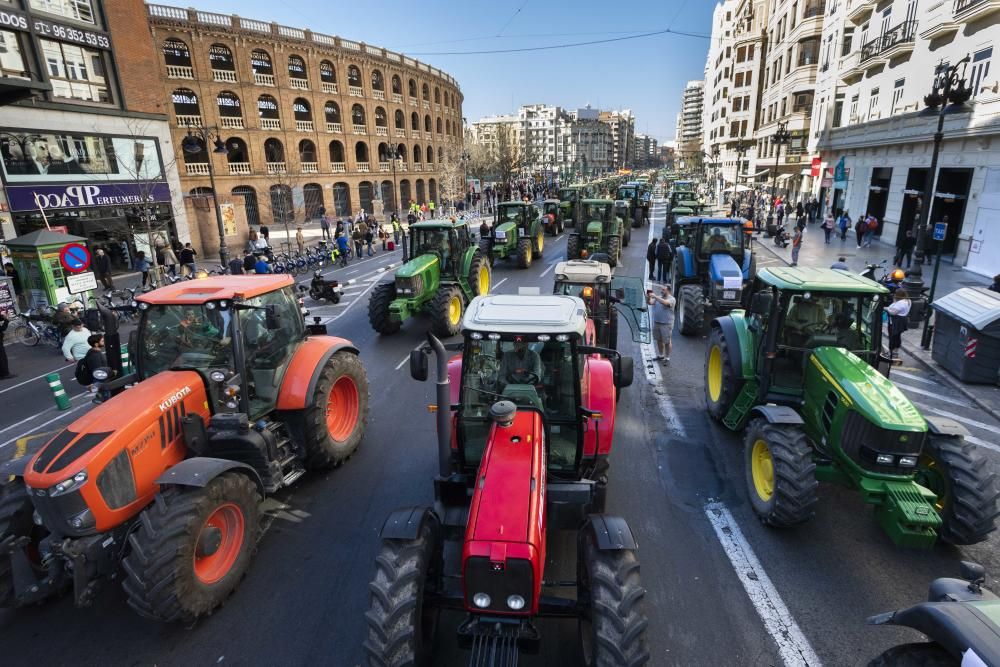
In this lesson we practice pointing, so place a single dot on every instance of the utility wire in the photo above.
(513, 16)
(562, 46)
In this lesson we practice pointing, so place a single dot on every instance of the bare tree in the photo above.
(281, 200)
(451, 173)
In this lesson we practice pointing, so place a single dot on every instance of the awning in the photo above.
(806, 172)
(784, 177)
(761, 173)
(739, 188)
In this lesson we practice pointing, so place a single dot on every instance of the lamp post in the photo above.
(781, 137)
(195, 142)
(392, 149)
(718, 176)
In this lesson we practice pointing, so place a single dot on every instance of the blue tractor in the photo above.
(713, 264)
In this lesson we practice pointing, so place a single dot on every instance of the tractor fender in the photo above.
(611, 533)
(201, 470)
(737, 337)
(407, 522)
(685, 261)
(15, 467)
(777, 414)
(946, 427)
(467, 258)
(302, 374)
(598, 392)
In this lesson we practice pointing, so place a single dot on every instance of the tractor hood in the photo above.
(866, 391)
(505, 230)
(417, 266)
(722, 266)
(595, 227)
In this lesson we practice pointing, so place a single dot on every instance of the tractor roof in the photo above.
(718, 222)
(585, 271)
(515, 203)
(526, 314)
(551, 201)
(598, 200)
(796, 278)
(194, 292)
(440, 223)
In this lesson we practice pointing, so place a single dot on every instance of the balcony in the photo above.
(180, 72)
(973, 10)
(811, 25)
(304, 126)
(276, 168)
(416, 166)
(270, 123)
(310, 167)
(381, 131)
(896, 41)
(400, 133)
(355, 91)
(414, 134)
(330, 88)
(384, 167)
(232, 122)
(849, 67)
(224, 75)
(263, 79)
(397, 98)
(239, 168)
(413, 101)
(298, 84)
(427, 105)
(334, 127)
(364, 167)
(359, 129)
(189, 121)
(428, 136)
(860, 11)
(378, 95)
(196, 168)
(437, 107)
(338, 167)
(800, 78)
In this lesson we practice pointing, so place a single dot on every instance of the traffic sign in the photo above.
(940, 229)
(75, 258)
(81, 282)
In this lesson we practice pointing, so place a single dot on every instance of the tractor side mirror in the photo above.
(624, 372)
(271, 320)
(761, 303)
(884, 363)
(418, 365)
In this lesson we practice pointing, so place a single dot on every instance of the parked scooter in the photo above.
(320, 288)
(782, 237)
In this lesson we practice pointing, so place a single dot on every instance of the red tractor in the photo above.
(233, 398)
(525, 423)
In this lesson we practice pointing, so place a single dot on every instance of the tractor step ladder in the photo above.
(746, 399)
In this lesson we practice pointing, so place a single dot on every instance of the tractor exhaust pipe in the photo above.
(443, 402)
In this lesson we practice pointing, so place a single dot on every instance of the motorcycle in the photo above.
(782, 237)
(320, 288)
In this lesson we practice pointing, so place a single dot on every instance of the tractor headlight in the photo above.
(217, 376)
(67, 485)
(210, 305)
(143, 305)
(482, 600)
(908, 461)
(885, 459)
(515, 602)
(475, 335)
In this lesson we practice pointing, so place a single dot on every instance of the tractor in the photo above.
(525, 424)
(713, 264)
(552, 217)
(804, 375)
(603, 232)
(233, 398)
(517, 233)
(446, 271)
(605, 297)
(635, 195)
(569, 197)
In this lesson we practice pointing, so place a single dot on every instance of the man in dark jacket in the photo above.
(651, 258)
(905, 249)
(664, 258)
(102, 268)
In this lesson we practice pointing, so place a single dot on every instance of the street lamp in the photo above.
(195, 142)
(781, 138)
(392, 149)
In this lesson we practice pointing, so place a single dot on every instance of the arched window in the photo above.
(229, 105)
(430, 155)
(415, 122)
(413, 88)
(201, 157)
(260, 62)
(358, 114)
(388, 196)
(274, 150)
(312, 195)
(341, 199)
(420, 191)
(307, 151)
(332, 112)
(378, 81)
(397, 85)
(427, 123)
(426, 90)
(221, 59)
(400, 120)
(176, 54)
(297, 68)
(447, 127)
(354, 76)
(336, 151)
(327, 73)
(437, 95)
(432, 186)
(238, 151)
(282, 206)
(185, 104)
(361, 152)
(440, 155)
(250, 206)
(267, 107)
(405, 196)
(402, 154)
(380, 118)
(300, 107)
(446, 104)
(365, 194)
(440, 125)
(416, 155)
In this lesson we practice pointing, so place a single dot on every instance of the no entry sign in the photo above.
(75, 258)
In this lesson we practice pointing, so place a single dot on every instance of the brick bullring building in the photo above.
(305, 121)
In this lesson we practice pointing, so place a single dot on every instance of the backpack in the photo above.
(82, 373)
(872, 222)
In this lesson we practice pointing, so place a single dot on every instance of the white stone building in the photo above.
(689, 134)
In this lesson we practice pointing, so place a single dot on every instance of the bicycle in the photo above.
(31, 329)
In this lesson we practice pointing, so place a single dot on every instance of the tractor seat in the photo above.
(524, 395)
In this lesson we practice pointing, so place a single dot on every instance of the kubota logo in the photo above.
(171, 400)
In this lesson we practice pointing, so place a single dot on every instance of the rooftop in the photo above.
(524, 314)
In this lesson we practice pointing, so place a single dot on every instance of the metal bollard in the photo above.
(126, 364)
(55, 384)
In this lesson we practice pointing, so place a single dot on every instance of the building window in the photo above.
(77, 10)
(897, 92)
(11, 58)
(75, 72)
(221, 58)
(838, 110)
(176, 53)
(980, 69)
(873, 104)
(845, 42)
(853, 116)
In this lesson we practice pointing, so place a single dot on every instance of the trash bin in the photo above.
(967, 334)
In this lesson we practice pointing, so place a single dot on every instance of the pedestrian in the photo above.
(342, 248)
(871, 224)
(664, 258)
(94, 359)
(796, 245)
(102, 268)
(799, 212)
(430, 207)
(63, 319)
(841, 264)
(75, 344)
(5, 373)
(187, 257)
(663, 321)
(651, 258)
(905, 249)
(484, 230)
(324, 226)
(995, 287)
(265, 234)
(141, 264)
(261, 266)
(369, 238)
(396, 228)
(300, 240)
(844, 223)
(358, 237)
(828, 225)
(780, 212)
(236, 266)
(899, 314)
(860, 227)
(249, 263)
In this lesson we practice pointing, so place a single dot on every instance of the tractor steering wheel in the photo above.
(523, 377)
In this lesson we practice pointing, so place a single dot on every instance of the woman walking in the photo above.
(828, 227)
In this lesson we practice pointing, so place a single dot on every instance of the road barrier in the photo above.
(55, 384)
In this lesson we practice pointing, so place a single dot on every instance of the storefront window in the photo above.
(77, 10)
(11, 58)
(76, 73)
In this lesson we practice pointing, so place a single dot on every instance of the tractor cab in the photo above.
(517, 234)
(444, 240)
(716, 247)
(605, 296)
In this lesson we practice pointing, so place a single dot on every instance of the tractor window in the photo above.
(429, 240)
(536, 374)
(511, 214)
(268, 351)
(719, 238)
(595, 211)
(184, 336)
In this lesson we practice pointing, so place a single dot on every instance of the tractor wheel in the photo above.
(315, 293)
(781, 475)
(486, 247)
(967, 491)
(615, 250)
(637, 218)
(378, 309)
(573, 247)
(722, 381)
(335, 420)
(192, 548)
(917, 654)
(626, 235)
(539, 245)
(480, 276)
(16, 513)
(400, 628)
(690, 310)
(524, 255)
(613, 627)
(446, 309)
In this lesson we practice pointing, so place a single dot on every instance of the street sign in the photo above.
(940, 229)
(81, 282)
(74, 258)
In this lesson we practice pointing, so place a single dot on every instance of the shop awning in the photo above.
(784, 177)
(806, 172)
(762, 172)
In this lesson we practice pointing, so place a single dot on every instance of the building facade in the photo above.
(689, 125)
(84, 139)
(622, 134)
(646, 153)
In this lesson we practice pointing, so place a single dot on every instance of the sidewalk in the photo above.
(816, 253)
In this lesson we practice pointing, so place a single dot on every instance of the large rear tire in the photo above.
(722, 380)
(336, 418)
(917, 654)
(626, 235)
(615, 250)
(690, 310)
(573, 247)
(16, 513)
(524, 253)
(613, 628)
(192, 548)
(780, 473)
(400, 629)
(486, 247)
(967, 490)
(480, 276)
(378, 309)
(539, 245)
(446, 310)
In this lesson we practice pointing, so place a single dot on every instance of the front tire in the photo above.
(615, 250)
(539, 245)
(192, 548)
(446, 310)
(16, 513)
(691, 310)
(378, 309)
(524, 253)
(917, 654)
(480, 276)
(573, 247)
(25, 335)
(338, 413)
(722, 382)
(967, 491)
(780, 473)
(486, 247)
(626, 235)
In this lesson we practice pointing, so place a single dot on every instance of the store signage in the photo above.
(815, 167)
(70, 33)
(51, 197)
(8, 299)
(840, 172)
(9, 19)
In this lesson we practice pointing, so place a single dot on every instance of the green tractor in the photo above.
(804, 375)
(518, 233)
(604, 232)
(636, 196)
(446, 271)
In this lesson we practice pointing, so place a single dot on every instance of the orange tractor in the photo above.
(233, 398)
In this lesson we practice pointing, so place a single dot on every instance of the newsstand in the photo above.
(967, 334)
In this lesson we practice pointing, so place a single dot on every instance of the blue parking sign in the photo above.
(940, 229)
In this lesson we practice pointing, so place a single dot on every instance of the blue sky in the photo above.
(646, 75)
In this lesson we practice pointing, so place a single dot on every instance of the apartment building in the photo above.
(623, 134)
(689, 124)
(646, 152)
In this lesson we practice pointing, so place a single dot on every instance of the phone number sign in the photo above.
(71, 34)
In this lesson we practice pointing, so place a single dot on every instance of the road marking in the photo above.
(916, 378)
(551, 266)
(962, 420)
(924, 392)
(400, 364)
(793, 646)
(46, 423)
(38, 377)
(499, 284)
(982, 443)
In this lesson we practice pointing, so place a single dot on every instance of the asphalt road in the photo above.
(772, 597)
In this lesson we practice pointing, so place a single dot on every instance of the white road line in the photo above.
(793, 646)
(37, 377)
(924, 392)
(982, 443)
(39, 414)
(42, 425)
(961, 419)
(915, 378)
(400, 364)
(551, 266)
(499, 284)
(344, 311)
